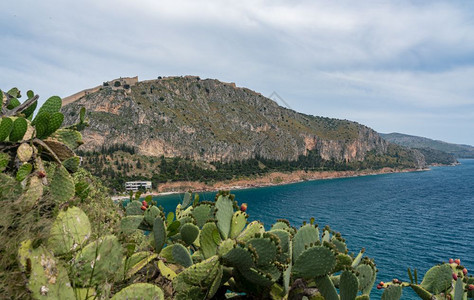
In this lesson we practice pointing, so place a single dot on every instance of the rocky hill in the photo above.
(212, 121)
(411, 141)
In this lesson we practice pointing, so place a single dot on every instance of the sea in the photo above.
(403, 220)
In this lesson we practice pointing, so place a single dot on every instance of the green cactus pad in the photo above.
(437, 279)
(358, 258)
(280, 225)
(306, 235)
(257, 277)
(203, 273)
(41, 123)
(137, 262)
(20, 125)
(421, 292)
(69, 137)
(342, 261)
(69, 232)
(62, 185)
(169, 218)
(224, 213)
(165, 271)
(72, 164)
(363, 297)
(97, 262)
(129, 224)
(265, 248)
(24, 152)
(459, 290)
(55, 121)
(189, 232)
(150, 215)
(30, 110)
(367, 275)
(340, 245)
(202, 213)
(14, 102)
(348, 285)
(159, 234)
(23, 171)
(239, 220)
(250, 231)
(393, 292)
(284, 237)
(187, 199)
(48, 279)
(326, 237)
(313, 262)
(177, 254)
(52, 105)
(140, 291)
(215, 285)
(134, 208)
(225, 246)
(238, 257)
(326, 288)
(271, 270)
(207, 239)
(4, 160)
(6, 127)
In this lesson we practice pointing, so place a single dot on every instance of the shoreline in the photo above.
(267, 180)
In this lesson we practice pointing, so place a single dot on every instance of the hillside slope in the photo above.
(411, 141)
(212, 121)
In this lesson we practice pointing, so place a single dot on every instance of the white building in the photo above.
(135, 185)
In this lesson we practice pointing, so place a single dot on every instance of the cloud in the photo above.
(321, 56)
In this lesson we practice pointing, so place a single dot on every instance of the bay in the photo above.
(415, 219)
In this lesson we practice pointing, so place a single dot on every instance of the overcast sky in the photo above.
(395, 66)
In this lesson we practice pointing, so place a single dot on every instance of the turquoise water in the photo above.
(403, 220)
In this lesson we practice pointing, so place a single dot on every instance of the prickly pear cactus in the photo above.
(47, 277)
(97, 262)
(140, 291)
(69, 232)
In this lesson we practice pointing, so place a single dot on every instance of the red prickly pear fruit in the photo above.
(379, 287)
(143, 208)
(381, 283)
(41, 174)
(455, 277)
(464, 271)
(457, 261)
(144, 203)
(470, 287)
(243, 207)
(451, 261)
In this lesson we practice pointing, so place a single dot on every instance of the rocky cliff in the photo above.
(210, 120)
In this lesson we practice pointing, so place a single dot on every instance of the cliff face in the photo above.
(214, 121)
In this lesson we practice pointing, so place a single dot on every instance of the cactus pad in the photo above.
(97, 262)
(24, 152)
(326, 288)
(224, 213)
(140, 291)
(306, 235)
(129, 224)
(239, 220)
(250, 231)
(62, 185)
(202, 213)
(51, 105)
(134, 208)
(72, 164)
(71, 138)
(137, 261)
(33, 192)
(150, 215)
(20, 125)
(437, 279)
(187, 199)
(23, 171)
(393, 292)
(348, 285)
(165, 271)
(265, 248)
(189, 232)
(69, 232)
(203, 273)
(5, 128)
(313, 262)
(177, 254)
(366, 276)
(207, 239)
(225, 246)
(48, 279)
(159, 234)
(238, 257)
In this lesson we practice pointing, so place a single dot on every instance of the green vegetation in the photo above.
(410, 141)
(62, 238)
